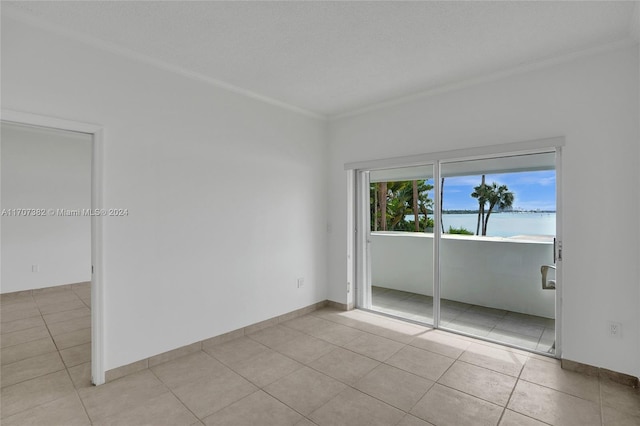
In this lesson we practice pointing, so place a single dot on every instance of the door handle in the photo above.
(557, 251)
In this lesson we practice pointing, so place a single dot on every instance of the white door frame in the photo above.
(558, 255)
(97, 224)
(360, 261)
(362, 241)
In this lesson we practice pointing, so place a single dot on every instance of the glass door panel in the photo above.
(498, 223)
(400, 242)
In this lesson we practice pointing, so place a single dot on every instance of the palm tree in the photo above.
(441, 202)
(498, 196)
(382, 186)
(495, 195)
(416, 212)
(374, 207)
(425, 204)
(480, 192)
(392, 202)
(401, 194)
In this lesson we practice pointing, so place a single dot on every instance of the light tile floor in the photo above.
(525, 331)
(326, 368)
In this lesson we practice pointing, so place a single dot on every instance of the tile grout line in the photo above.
(406, 412)
(54, 343)
(565, 393)
(172, 393)
(41, 375)
(466, 393)
(84, 407)
(458, 359)
(29, 357)
(30, 328)
(258, 388)
(348, 385)
(600, 396)
(513, 390)
(65, 368)
(352, 386)
(284, 403)
(384, 362)
(75, 389)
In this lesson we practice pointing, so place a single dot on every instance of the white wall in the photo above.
(226, 195)
(487, 271)
(45, 169)
(593, 102)
(182, 157)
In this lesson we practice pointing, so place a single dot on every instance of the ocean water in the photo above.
(506, 224)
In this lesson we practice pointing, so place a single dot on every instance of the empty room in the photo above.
(320, 213)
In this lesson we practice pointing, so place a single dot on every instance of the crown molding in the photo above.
(632, 39)
(489, 77)
(131, 54)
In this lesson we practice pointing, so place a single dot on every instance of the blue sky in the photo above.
(533, 190)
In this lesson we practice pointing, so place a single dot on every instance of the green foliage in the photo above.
(393, 208)
(399, 205)
(461, 230)
(409, 225)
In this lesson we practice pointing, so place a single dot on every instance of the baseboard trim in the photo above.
(146, 363)
(603, 373)
(339, 306)
(62, 287)
(143, 364)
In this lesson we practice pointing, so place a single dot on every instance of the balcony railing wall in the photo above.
(494, 272)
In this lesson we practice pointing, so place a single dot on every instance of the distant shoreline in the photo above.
(495, 212)
(501, 224)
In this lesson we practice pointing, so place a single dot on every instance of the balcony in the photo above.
(490, 286)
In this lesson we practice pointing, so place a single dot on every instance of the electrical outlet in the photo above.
(35, 268)
(300, 282)
(348, 287)
(615, 329)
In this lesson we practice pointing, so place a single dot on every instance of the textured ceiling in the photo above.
(334, 57)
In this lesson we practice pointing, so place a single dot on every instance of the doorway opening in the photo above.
(50, 188)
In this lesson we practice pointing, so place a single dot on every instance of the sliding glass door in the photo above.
(400, 242)
(499, 217)
(466, 245)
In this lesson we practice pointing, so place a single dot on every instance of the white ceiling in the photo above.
(330, 58)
